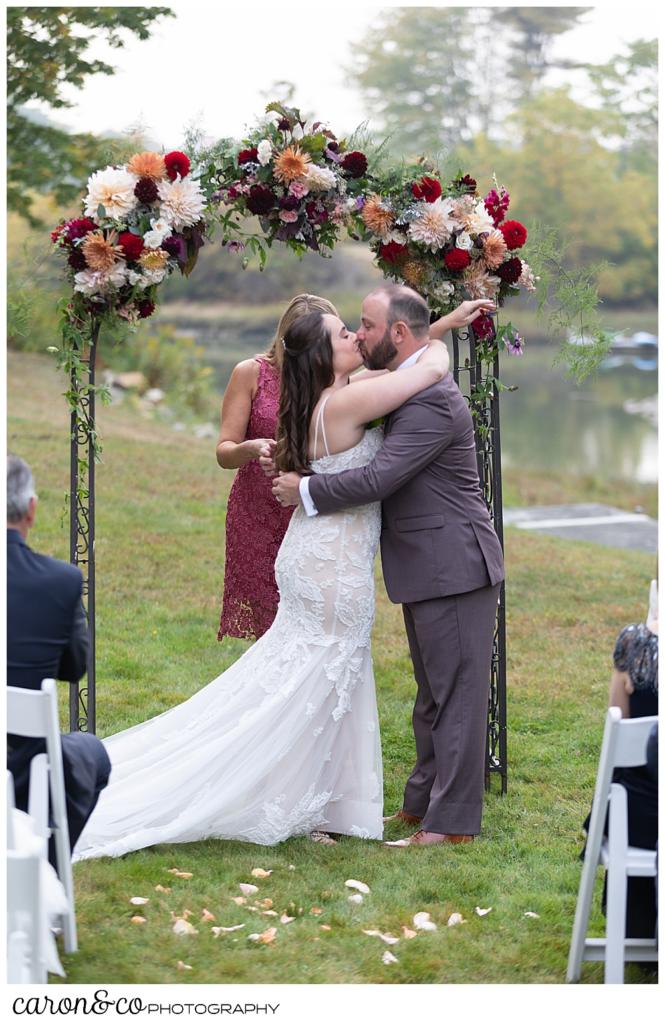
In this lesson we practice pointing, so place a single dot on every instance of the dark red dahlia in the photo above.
(316, 214)
(428, 189)
(392, 252)
(248, 156)
(514, 234)
(177, 163)
(145, 308)
(355, 164)
(132, 245)
(76, 259)
(260, 199)
(289, 203)
(79, 228)
(483, 327)
(510, 271)
(146, 191)
(284, 124)
(175, 245)
(467, 182)
(457, 259)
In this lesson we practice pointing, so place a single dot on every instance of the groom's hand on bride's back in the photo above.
(266, 459)
(286, 488)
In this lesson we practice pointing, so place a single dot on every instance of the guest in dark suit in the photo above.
(441, 560)
(47, 638)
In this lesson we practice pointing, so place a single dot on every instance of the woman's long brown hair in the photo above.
(307, 369)
(297, 307)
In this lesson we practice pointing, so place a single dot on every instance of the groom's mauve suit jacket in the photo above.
(437, 537)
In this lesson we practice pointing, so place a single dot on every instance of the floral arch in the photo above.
(293, 182)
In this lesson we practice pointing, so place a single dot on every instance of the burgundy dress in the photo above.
(255, 527)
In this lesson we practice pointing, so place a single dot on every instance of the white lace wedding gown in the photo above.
(284, 742)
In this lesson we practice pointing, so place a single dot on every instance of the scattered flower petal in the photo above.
(183, 874)
(247, 889)
(285, 919)
(139, 901)
(388, 958)
(267, 903)
(423, 923)
(351, 883)
(325, 928)
(530, 913)
(239, 900)
(161, 888)
(481, 913)
(137, 919)
(182, 927)
(254, 937)
(316, 911)
(292, 867)
(269, 913)
(408, 933)
(217, 931)
(390, 939)
(207, 916)
(260, 873)
(455, 919)
(268, 935)
(183, 967)
(356, 898)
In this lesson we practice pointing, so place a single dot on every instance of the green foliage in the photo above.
(46, 48)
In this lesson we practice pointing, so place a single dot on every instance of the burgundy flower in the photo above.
(483, 327)
(355, 164)
(55, 234)
(469, 183)
(146, 191)
(316, 214)
(132, 245)
(76, 259)
(392, 252)
(79, 228)
(510, 271)
(457, 259)
(260, 199)
(177, 163)
(145, 308)
(428, 189)
(496, 205)
(248, 156)
(176, 246)
(289, 203)
(514, 234)
(284, 124)
(334, 145)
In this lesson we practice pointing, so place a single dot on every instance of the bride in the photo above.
(285, 741)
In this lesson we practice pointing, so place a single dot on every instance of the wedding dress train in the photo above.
(286, 740)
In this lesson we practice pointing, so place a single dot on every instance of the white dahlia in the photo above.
(182, 202)
(95, 282)
(434, 224)
(264, 150)
(478, 220)
(464, 241)
(319, 179)
(112, 188)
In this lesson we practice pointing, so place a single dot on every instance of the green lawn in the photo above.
(160, 554)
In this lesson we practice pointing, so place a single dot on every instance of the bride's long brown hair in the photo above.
(297, 307)
(307, 369)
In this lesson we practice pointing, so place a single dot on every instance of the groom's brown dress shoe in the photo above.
(408, 819)
(423, 838)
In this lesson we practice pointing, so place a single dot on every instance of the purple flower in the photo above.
(289, 203)
(234, 246)
(360, 202)
(332, 155)
(515, 345)
(176, 246)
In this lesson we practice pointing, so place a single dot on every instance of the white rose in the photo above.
(162, 226)
(264, 150)
(464, 241)
(153, 239)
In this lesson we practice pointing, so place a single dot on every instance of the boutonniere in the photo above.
(378, 422)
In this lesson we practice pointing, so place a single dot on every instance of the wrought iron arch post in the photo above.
(472, 379)
(82, 703)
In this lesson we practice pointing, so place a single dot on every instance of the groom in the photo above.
(441, 560)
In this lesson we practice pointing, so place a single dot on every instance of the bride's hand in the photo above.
(436, 354)
(286, 488)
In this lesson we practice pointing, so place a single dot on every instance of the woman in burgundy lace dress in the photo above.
(255, 522)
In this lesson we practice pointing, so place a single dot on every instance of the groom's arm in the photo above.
(419, 431)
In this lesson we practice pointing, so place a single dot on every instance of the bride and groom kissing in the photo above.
(286, 741)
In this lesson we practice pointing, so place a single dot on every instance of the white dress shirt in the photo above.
(308, 504)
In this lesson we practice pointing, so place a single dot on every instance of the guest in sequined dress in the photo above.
(255, 522)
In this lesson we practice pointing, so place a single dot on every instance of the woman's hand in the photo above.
(464, 315)
(437, 357)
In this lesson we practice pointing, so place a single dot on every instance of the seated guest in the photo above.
(47, 638)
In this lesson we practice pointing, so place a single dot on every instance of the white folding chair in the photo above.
(624, 746)
(34, 714)
(25, 959)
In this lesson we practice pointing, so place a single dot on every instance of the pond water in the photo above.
(549, 423)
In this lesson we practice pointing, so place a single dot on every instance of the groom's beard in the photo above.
(382, 354)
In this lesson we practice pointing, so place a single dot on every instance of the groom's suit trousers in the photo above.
(450, 640)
